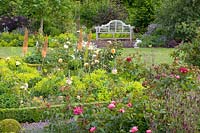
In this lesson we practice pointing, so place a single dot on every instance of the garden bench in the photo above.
(115, 27)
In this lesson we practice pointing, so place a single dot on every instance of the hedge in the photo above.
(36, 114)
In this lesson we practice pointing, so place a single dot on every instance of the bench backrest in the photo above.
(114, 26)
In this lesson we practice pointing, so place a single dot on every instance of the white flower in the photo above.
(91, 47)
(8, 58)
(94, 56)
(69, 81)
(37, 44)
(109, 42)
(17, 63)
(96, 61)
(114, 71)
(60, 60)
(78, 97)
(73, 57)
(68, 42)
(66, 46)
(86, 64)
(25, 86)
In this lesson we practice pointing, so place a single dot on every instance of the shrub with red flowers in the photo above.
(174, 97)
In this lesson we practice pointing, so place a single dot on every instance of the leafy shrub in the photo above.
(49, 85)
(13, 40)
(189, 53)
(16, 40)
(156, 39)
(12, 23)
(183, 24)
(101, 12)
(30, 114)
(9, 101)
(173, 91)
(10, 125)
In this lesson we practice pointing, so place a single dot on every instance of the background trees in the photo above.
(180, 18)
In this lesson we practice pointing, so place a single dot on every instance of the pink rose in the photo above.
(92, 129)
(122, 110)
(134, 129)
(129, 105)
(111, 106)
(78, 110)
(148, 131)
(177, 77)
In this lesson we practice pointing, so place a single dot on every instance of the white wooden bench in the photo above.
(114, 27)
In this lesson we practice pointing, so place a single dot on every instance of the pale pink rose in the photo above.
(129, 105)
(177, 77)
(92, 129)
(122, 110)
(134, 129)
(111, 106)
(148, 131)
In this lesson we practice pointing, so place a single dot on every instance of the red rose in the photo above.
(183, 70)
(128, 59)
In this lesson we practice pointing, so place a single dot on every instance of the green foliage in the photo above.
(30, 114)
(10, 125)
(173, 92)
(9, 101)
(141, 12)
(13, 40)
(100, 12)
(49, 85)
(16, 40)
(189, 52)
(180, 18)
(156, 39)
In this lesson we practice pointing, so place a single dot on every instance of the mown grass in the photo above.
(149, 55)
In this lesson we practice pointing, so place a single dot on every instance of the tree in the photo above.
(180, 18)
(55, 14)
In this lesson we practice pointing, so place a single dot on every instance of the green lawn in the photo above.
(149, 55)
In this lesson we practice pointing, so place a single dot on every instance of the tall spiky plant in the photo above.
(89, 37)
(25, 44)
(45, 46)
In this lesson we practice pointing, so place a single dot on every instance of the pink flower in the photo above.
(92, 129)
(78, 110)
(148, 131)
(122, 110)
(134, 129)
(183, 70)
(177, 77)
(171, 75)
(128, 59)
(129, 105)
(111, 106)
(113, 102)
